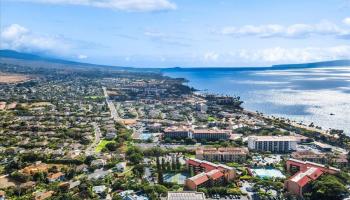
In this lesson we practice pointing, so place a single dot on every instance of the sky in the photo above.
(179, 33)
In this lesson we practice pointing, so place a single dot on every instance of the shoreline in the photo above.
(290, 122)
(300, 124)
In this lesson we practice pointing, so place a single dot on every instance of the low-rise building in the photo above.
(53, 177)
(210, 134)
(310, 156)
(294, 165)
(43, 195)
(279, 144)
(177, 132)
(110, 135)
(100, 189)
(186, 196)
(208, 174)
(2, 195)
(201, 107)
(232, 154)
(33, 169)
(304, 173)
(98, 163)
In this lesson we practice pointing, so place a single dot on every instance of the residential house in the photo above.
(99, 189)
(2, 195)
(98, 163)
(43, 195)
(53, 177)
(33, 169)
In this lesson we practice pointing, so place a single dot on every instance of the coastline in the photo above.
(295, 95)
(292, 123)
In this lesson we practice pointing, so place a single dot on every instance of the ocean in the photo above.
(318, 95)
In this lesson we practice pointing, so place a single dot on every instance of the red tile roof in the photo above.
(199, 179)
(304, 177)
(193, 162)
(215, 174)
(303, 181)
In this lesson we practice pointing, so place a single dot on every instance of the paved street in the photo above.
(91, 149)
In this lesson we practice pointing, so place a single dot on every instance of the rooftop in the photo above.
(210, 131)
(231, 150)
(303, 178)
(312, 164)
(186, 196)
(307, 154)
(274, 138)
(177, 128)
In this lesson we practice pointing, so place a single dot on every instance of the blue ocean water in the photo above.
(319, 95)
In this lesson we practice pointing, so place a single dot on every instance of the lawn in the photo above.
(102, 145)
(211, 119)
(94, 97)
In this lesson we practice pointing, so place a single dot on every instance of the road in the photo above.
(91, 149)
(111, 106)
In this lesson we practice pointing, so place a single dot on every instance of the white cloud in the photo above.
(346, 21)
(211, 56)
(81, 56)
(274, 55)
(127, 5)
(17, 37)
(292, 31)
(295, 55)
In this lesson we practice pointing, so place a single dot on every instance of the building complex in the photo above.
(272, 143)
(199, 134)
(304, 173)
(208, 174)
(231, 154)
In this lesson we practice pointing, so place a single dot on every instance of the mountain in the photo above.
(14, 56)
(26, 56)
(10, 54)
(314, 64)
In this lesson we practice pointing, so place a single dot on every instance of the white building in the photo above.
(201, 107)
(186, 195)
(272, 143)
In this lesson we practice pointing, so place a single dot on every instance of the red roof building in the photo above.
(208, 174)
(306, 172)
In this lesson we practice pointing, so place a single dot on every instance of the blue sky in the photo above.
(167, 33)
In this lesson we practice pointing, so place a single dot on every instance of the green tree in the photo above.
(328, 187)
(138, 170)
(178, 164)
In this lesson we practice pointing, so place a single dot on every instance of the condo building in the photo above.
(209, 134)
(199, 134)
(232, 154)
(208, 174)
(310, 156)
(177, 132)
(304, 173)
(279, 144)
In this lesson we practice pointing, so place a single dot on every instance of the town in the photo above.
(91, 133)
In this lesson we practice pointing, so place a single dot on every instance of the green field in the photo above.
(94, 97)
(102, 145)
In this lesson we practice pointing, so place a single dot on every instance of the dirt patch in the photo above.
(6, 182)
(13, 78)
